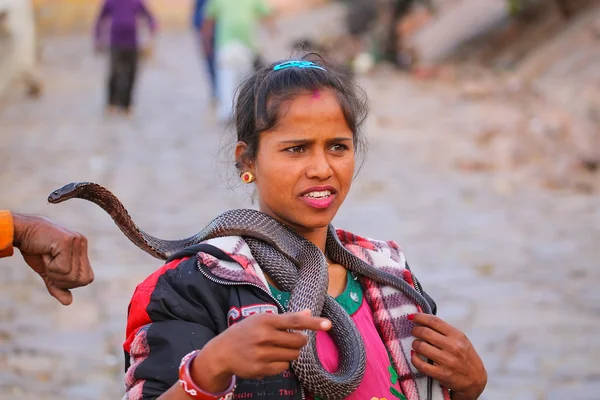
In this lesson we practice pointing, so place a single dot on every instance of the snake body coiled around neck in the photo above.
(295, 265)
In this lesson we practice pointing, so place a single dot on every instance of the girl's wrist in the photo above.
(210, 373)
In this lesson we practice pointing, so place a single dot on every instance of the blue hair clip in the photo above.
(297, 64)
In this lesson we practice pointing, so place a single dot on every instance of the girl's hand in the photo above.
(456, 364)
(259, 346)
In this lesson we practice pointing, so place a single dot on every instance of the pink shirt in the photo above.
(380, 381)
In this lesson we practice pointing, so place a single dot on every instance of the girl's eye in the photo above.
(295, 149)
(339, 147)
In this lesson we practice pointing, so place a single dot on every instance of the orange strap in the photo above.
(7, 231)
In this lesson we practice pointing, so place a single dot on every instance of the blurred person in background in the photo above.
(235, 44)
(208, 53)
(124, 46)
(18, 30)
(57, 254)
(393, 48)
(360, 20)
(373, 29)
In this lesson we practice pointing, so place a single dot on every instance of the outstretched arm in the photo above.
(57, 254)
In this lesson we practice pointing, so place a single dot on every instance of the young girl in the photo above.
(209, 324)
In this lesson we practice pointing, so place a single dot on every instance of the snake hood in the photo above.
(202, 290)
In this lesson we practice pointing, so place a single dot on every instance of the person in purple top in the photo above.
(123, 43)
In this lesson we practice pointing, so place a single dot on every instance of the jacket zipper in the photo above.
(414, 278)
(229, 283)
(417, 285)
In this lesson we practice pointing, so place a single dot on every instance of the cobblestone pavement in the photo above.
(516, 270)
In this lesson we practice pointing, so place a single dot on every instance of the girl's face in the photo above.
(304, 166)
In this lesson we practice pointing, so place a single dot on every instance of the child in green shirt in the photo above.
(236, 44)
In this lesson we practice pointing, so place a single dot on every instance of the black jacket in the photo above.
(179, 308)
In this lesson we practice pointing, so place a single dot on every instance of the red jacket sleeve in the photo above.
(169, 316)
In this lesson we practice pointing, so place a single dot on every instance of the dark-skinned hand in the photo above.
(261, 345)
(456, 364)
(59, 255)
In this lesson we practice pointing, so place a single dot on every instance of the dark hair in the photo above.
(260, 99)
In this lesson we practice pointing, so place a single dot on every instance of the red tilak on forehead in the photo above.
(316, 94)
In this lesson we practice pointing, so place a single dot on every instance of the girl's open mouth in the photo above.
(319, 198)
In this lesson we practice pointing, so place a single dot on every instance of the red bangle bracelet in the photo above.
(192, 390)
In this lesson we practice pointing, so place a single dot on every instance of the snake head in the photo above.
(68, 191)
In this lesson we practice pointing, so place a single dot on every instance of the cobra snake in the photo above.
(295, 265)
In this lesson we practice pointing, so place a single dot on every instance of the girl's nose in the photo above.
(319, 167)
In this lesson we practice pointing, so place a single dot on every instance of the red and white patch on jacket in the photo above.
(236, 314)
